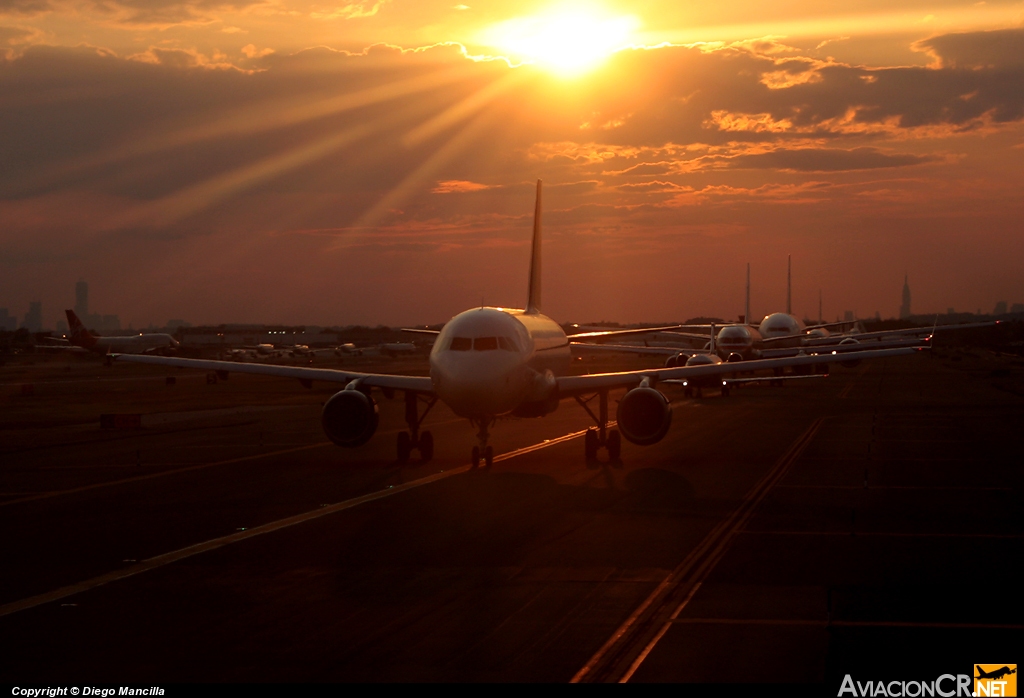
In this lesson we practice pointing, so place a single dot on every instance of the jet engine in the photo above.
(676, 360)
(644, 416)
(850, 363)
(349, 418)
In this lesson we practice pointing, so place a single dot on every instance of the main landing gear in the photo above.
(483, 450)
(408, 440)
(601, 437)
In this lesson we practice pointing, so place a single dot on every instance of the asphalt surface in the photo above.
(865, 522)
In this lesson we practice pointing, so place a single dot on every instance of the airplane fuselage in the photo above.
(488, 362)
(746, 340)
(135, 344)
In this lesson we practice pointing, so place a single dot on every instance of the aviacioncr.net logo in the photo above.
(995, 680)
(945, 686)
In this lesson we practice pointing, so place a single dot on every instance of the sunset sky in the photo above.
(302, 162)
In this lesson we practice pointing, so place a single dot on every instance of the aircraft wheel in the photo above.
(426, 446)
(614, 444)
(725, 391)
(488, 457)
(687, 392)
(474, 459)
(404, 446)
(590, 445)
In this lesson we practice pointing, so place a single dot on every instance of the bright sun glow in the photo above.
(568, 41)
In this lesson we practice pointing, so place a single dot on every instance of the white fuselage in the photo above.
(135, 344)
(489, 361)
(747, 339)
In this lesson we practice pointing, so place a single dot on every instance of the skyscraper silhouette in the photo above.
(905, 308)
(82, 299)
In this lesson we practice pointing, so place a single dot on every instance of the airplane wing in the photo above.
(826, 325)
(628, 349)
(579, 335)
(62, 347)
(766, 379)
(418, 384)
(576, 385)
(923, 330)
(705, 337)
(849, 347)
(619, 333)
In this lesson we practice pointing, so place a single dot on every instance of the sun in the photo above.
(568, 41)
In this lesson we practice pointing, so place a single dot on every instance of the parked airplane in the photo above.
(487, 362)
(131, 344)
(393, 349)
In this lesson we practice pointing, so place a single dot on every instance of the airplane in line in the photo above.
(488, 362)
(131, 344)
(784, 334)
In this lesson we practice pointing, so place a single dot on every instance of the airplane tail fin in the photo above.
(80, 336)
(533, 300)
(746, 308)
(789, 285)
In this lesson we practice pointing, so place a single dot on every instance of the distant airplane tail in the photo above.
(533, 299)
(80, 336)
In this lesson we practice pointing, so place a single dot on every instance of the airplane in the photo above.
(393, 349)
(347, 348)
(264, 349)
(132, 344)
(488, 362)
(995, 673)
(783, 334)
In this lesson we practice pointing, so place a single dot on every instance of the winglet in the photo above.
(533, 300)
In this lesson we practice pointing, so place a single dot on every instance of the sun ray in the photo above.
(413, 181)
(253, 119)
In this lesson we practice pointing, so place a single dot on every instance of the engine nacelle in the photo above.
(644, 416)
(734, 357)
(350, 418)
(850, 363)
(675, 360)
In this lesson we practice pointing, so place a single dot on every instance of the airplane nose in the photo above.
(477, 388)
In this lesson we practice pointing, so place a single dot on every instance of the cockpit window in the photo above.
(506, 344)
(485, 343)
(461, 344)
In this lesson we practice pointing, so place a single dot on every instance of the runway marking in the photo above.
(853, 381)
(856, 533)
(162, 473)
(213, 544)
(175, 471)
(845, 623)
(691, 571)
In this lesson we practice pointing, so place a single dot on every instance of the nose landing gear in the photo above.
(413, 439)
(483, 450)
